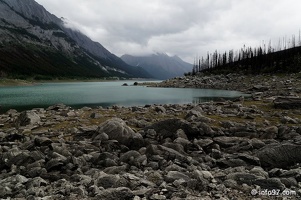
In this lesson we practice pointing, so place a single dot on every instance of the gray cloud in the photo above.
(184, 27)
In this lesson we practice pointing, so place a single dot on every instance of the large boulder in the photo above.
(28, 118)
(169, 127)
(116, 129)
(280, 155)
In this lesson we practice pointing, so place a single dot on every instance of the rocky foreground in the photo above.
(241, 149)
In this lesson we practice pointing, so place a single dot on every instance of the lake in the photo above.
(80, 94)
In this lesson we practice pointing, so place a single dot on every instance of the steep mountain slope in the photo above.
(35, 42)
(159, 65)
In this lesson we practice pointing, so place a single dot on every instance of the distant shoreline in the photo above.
(15, 82)
(6, 82)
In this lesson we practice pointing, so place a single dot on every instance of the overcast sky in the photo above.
(186, 28)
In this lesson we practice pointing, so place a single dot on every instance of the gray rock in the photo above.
(106, 158)
(181, 134)
(216, 154)
(251, 160)
(287, 119)
(103, 137)
(54, 164)
(229, 183)
(115, 193)
(270, 183)
(260, 88)
(62, 150)
(182, 141)
(205, 129)
(243, 177)
(295, 173)
(80, 191)
(5, 192)
(203, 142)
(230, 162)
(58, 107)
(68, 113)
(175, 175)
(22, 158)
(82, 179)
(171, 154)
(257, 143)
(36, 182)
(42, 141)
(204, 175)
(258, 171)
(36, 171)
(280, 155)
(160, 109)
(175, 146)
(271, 130)
(116, 169)
(28, 118)
(14, 180)
(152, 135)
(167, 128)
(155, 177)
(2, 136)
(95, 115)
(158, 197)
(85, 131)
(225, 141)
(193, 113)
(289, 182)
(107, 180)
(117, 129)
(129, 156)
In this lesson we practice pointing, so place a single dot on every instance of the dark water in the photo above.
(81, 94)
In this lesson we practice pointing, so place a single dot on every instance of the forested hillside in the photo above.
(285, 58)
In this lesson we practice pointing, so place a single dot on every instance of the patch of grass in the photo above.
(14, 82)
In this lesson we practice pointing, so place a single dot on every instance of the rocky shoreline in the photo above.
(257, 85)
(242, 149)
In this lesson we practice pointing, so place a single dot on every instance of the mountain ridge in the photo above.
(30, 32)
(159, 65)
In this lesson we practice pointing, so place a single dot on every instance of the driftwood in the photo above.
(287, 102)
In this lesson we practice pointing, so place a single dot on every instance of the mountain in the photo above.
(159, 65)
(34, 42)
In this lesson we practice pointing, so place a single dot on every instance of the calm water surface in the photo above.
(81, 94)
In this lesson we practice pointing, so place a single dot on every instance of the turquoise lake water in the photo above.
(79, 94)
